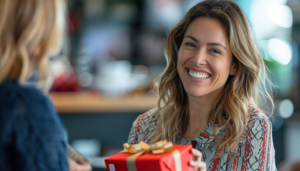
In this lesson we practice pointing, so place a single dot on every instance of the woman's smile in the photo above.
(198, 75)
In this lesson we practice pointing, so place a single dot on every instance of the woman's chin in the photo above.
(196, 93)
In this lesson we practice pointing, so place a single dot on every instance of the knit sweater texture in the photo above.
(31, 134)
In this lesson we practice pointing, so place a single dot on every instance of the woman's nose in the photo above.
(200, 57)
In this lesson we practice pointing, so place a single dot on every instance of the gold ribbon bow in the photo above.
(157, 148)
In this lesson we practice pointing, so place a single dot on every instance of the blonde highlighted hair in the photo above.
(243, 91)
(24, 26)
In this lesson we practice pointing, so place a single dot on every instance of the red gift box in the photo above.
(153, 162)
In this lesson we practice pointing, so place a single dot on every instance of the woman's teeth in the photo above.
(198, 75)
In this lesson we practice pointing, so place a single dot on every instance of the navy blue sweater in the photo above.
(31, 134)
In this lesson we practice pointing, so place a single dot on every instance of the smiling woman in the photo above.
(209, 91)
(203, 59)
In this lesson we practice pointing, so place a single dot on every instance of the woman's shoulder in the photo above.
(143, 127)
(17, 100)
(26, 115)
(14, 91)
(258, 121)
(148, 118)
(256, 114)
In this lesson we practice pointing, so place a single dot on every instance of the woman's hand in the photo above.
(79, 166)
(197, 163)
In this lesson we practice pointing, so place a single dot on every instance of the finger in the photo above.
(85, 167)
(72, 164)
(197, 154)
(82, 162)
(79, 166)
(198, 165)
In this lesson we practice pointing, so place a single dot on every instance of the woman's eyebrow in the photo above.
(191, 37)
(217, 44)
(209, 44)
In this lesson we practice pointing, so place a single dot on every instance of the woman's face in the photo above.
(204, 58)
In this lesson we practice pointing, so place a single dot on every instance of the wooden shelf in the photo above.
(93, 103)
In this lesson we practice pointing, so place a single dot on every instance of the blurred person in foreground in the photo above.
(31, 134)
(208, 93)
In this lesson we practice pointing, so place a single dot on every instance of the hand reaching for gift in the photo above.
(197, 163)
(79, 166)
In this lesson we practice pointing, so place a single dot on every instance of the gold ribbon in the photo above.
(157, 148)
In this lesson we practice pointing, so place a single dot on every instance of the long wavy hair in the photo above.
(244, 90)
(24, 26)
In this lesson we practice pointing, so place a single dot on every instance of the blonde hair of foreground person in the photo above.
(25, 26)
(242, 91)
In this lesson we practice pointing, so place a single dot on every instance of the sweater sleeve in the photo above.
(143, 127)
(257, 153)
(133, 137)
(35, 138)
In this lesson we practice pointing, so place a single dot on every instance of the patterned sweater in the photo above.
(255, 151)
(31, 134)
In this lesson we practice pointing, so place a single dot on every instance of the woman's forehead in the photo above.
(206, 29)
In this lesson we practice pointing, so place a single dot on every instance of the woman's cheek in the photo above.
(182, 57)
(181, 60)
(221, 67)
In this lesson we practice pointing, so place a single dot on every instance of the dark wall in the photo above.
(278, 140)
(109, 128)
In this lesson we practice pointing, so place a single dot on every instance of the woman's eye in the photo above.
(189, 44)
(215, 51)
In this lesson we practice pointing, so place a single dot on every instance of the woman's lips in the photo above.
(198, 74)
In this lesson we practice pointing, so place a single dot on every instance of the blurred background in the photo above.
(102, 79)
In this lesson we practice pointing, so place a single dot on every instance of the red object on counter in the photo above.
(152, 162)
(66, 82)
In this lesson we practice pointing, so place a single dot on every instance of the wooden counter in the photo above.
(93, 103)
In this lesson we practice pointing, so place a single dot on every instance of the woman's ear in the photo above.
(233, 68)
